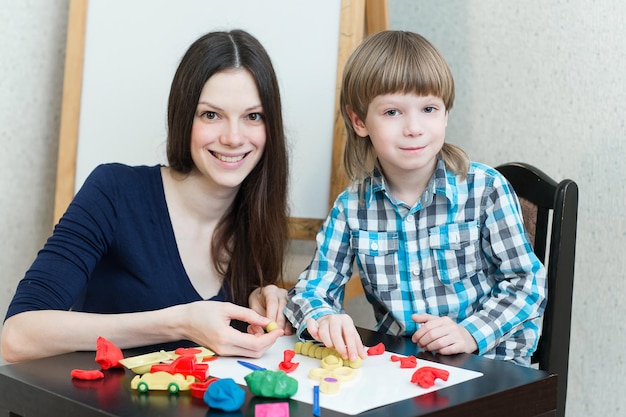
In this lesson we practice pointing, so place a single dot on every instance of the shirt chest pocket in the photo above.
(456, 250)
(377, 257)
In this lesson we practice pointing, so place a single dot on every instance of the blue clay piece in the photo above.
(224, 394)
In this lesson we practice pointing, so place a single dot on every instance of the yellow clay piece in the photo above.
(353, 364)
(343, 373)
(319, 373)
(305, 348)
(298, 347)
(272, 325)
(329, 385)
(331, 362)
(141, 364)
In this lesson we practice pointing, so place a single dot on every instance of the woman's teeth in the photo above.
(228, 158)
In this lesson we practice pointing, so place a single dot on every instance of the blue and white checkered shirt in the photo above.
(461, 251)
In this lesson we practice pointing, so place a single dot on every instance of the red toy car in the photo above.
(186, 365)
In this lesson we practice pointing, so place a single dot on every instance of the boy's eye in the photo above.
(429, 109)
(392, 112)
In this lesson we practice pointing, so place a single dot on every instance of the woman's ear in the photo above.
(357, 124)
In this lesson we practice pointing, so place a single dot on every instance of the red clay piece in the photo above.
(405, 361)
(87, 375)
(378, 349)
(187, 351)
(426, 375)
(108, 355)
(199, 388)
(287, 365)
(186, 365)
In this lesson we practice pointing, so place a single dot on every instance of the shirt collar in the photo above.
(442, 183)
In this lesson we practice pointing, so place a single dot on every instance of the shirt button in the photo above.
(415, 272)
(409, 218)
(374, 246)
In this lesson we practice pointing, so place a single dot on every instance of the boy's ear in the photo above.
(357, 124)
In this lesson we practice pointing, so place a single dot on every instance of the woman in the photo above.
(150, 255)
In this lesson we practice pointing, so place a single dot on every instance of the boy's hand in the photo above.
(442, 335)
(338, 331)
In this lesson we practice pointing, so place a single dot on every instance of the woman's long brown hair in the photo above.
(250, 242)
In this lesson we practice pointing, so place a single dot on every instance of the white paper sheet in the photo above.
(379, 381)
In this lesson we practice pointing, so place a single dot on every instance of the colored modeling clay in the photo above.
(272, 325)
(271, 410)
(405, 361)
(378, 349)
(185, 365)
(108, 355)
(426, 375)
(199, 388)
(287, 365)
(187, 351)
(87, 375)
(224, 394)
(275, 384)
(329, 385)
(313, 350)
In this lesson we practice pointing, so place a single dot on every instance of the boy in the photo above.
(439, 242)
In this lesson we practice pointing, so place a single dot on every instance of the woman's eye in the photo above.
(209, 115)
(255, 117)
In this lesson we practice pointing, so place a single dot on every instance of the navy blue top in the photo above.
(113, 251)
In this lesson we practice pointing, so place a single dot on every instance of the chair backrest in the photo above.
(550, 211)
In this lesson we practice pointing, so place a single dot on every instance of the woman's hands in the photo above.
(209, 325)
(270, 301)
(338, 331)
(442, 335)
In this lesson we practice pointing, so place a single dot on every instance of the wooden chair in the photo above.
(550, 212)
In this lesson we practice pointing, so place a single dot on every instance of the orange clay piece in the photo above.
(287, 365)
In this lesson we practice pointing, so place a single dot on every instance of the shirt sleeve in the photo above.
(519, 296)
(61, 269)
(320, 288)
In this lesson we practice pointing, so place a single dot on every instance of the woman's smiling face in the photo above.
(228, 133)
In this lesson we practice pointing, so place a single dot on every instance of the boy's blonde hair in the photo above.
(393, 62)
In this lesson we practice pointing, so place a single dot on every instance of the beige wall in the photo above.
(540, 82)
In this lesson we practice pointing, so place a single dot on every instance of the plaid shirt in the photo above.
(461, 252)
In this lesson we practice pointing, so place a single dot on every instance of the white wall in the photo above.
(541, 82)
(32, 51)
(544, 82)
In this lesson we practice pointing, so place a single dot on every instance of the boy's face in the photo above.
(407, 132)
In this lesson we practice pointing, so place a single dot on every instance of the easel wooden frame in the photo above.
(358, 17)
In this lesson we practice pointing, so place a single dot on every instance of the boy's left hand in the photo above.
(442, 335)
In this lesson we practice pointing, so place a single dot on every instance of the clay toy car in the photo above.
(185, 365)
(162, 381)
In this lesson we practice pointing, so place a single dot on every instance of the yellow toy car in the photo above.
(162, 381)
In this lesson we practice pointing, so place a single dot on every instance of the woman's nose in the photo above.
(232, 135)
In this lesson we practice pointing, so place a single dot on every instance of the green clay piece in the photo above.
(273, 384)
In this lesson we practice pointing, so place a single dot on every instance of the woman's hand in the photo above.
(209, 325)
(338, 331)
(442, 335)
(270, 301)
